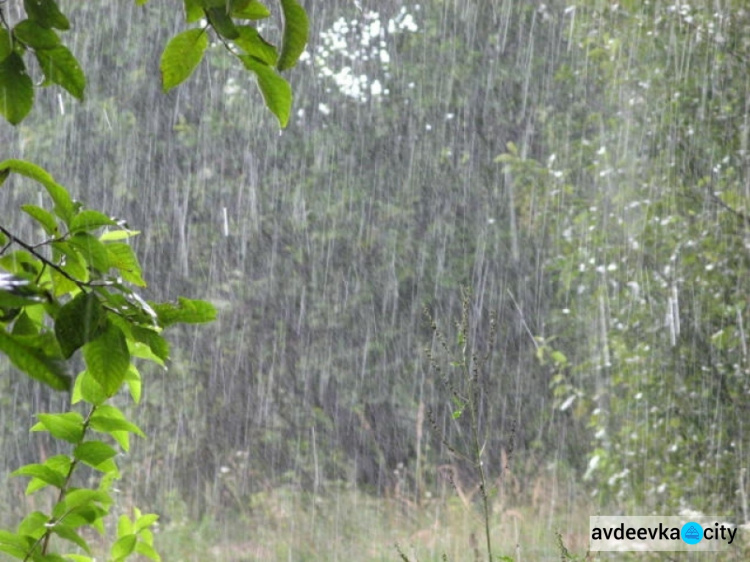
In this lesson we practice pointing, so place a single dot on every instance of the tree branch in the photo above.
(32, 249)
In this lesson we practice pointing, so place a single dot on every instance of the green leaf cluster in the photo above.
(185, 51)
(75, 289)
(76, 286)
(38, 36)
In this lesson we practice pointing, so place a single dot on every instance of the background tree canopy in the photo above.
(580, 167)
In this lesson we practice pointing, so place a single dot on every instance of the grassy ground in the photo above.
(348, 525)
(343, 524)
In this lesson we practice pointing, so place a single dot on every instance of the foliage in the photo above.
(38, 35)
(67, 292)
(73, 289)
(650, 255)
(564, 159)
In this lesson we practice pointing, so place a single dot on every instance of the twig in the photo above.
(32, 249)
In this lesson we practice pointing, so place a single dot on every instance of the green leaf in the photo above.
(6, 47)
(181, 56)
(94, 453)
(16, 89)
(61, 67)
(142, 351)
(156, 343)
(107, 419)
(35, 36)
(63, 204)
(15, 545)
(123, 547)
(46, 13)
(90, 220)
(61, 284)
(58, 463)
(253, 44)
(124, 526)
(21, 263)
(34, 363)
(187, 311)
(276, 91)
(129, 305)
(8, 314)
(193, 11)
(78, 322)
(222, 23)
(559, 358)
(133, 380)
(69, 534)
(44, 342)
(81, 497)
(93, 251)
(113, 235)
(42, 472)
(24, 325)
(43, 217)
(145, 521)
(10, 299)
(14, 551)
(109, 467)
(107, 358)
(295, 33)
(146, 536)
(122, 257)
(90, 514)
(252, 10)
(67, 426)
(74, 263)
(33, 524)
(86, 388)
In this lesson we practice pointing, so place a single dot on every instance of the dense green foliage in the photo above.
(652, 253)
(73, 289)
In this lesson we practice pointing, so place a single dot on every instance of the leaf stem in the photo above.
(74, 463)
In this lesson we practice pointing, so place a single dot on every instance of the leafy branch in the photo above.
(75, 293)
(52, 307)
(32, 249)
(38, 35)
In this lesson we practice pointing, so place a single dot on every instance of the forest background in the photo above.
(580, 168)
